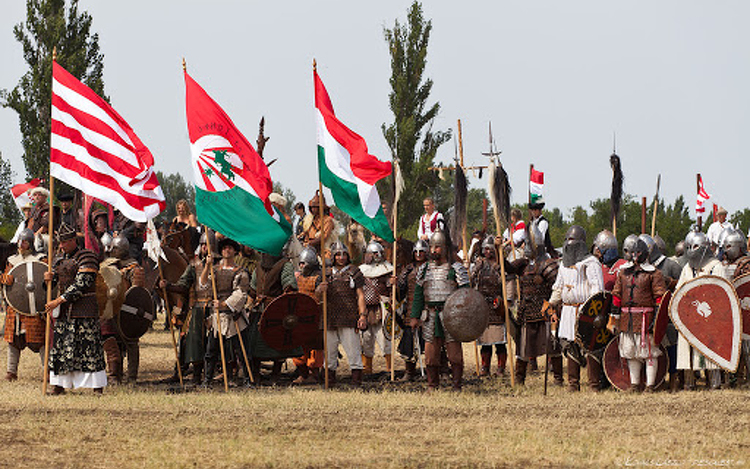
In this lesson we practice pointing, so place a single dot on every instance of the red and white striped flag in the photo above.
(93, 149)
(20, 192)
(703, 196)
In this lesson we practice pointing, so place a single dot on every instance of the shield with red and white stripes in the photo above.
(706, 311)
(93, 149)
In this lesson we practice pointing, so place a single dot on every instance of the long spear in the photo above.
(656, 205)
(218, 316)
(398, 187)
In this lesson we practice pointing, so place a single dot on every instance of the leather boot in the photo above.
(357, 378)
(457, 375)
(673, 382)
(574, 376)
(502, 359)
(433, 376)
(486, 361)
(197, 373)
(134, 359)
(367, 363)
(411, 371)
(594, 370)
(210, 371)
(114, 360)
(521, 371)
(388, 362)
(556, 363)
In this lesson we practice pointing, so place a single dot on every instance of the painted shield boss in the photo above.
(291, 320)
(706, 311)
(466, 314)
(28, 294)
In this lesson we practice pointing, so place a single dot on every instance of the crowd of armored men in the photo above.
(541, 286)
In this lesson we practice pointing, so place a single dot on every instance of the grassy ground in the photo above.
(487, 425)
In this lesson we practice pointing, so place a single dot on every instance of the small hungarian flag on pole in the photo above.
(703, 196)
(536, 186)
(93, 149)
(347, 168)
(232, 183)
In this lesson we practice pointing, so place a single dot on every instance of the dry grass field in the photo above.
(383, 426)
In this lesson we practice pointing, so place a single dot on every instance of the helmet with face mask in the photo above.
(309, 257)
(660, 244)
(698, 249)
(654, 253)
(421, 246)
(734, 245)
(606, 243)
(635, 249)
(574, 247)
(376, 251)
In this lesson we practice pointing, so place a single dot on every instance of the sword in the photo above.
(419, 351)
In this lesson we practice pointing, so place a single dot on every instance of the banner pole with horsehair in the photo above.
(171, 326)
(699, 217)
(464, 240)
(218, 316)
(395, 283)
(50, 242)
(323, 273)
(656, 205)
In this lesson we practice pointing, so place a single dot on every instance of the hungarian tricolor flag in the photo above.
(536, 186)
(20, 192)
(347, 168)
(93, 149)
(232, 183)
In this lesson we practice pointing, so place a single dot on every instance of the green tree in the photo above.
(411, 137)
(8, 210)
(175, 188)
(741, 220)
(50, 25)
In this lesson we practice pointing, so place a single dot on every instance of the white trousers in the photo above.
(370, 336)
(348, 338)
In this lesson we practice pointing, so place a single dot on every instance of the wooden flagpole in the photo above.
(171, 326)
(50, 243)
(656, 206)
(210, 265)
(393, 287)
(700, 217)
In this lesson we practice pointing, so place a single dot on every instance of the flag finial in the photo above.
(54, 54)
(315, 65)
(184, 65)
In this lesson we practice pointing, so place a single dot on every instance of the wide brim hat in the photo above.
(228, 242)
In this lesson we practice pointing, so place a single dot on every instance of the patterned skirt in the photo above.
(77, 346)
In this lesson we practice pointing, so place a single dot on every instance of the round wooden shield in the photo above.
(618, 373)
(28, 294)
(662, 317)
(466, 314)
(707, 313)
(290, 321)
(136, 313)
(591, 335)
(742, 286)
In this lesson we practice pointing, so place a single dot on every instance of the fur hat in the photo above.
(39, 190)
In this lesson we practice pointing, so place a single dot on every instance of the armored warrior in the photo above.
(347, 313)
(700, 261)
(637, 292)
(579, 277)
(436, 280)
(407, 281)
(536, 274)
(22, 330)
(486, 279)
(232, 284)
(377, 273)
(670, 269)
(309, 279)
(737, 264)
(113, 342)
(193, 324)
(76, 359)
(605, 249)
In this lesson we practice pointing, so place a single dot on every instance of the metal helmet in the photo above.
(722, 236)
(635, 249)
(698, 249)
(339, 248)
(27, 235)
(376, 251)
(106, 240)
(679, 248)
(309, 257)
(574, 246)
(421, 246)
(735, 245)
(440, 239)
(489, 243)
(660, 244)
(209, 235)
(654, 252)
(120, 247)
(606, 243)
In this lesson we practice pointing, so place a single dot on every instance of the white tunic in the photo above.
(573, 286)
(699, 361)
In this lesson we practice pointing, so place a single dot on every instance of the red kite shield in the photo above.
(706, 311)
(742, 286)
(662, 318)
